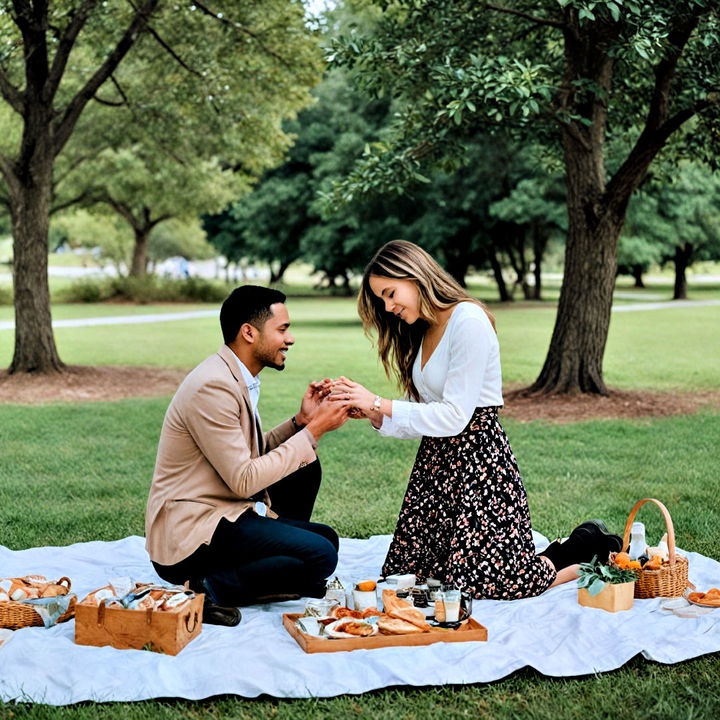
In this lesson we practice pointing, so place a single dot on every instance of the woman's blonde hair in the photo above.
(398, 343)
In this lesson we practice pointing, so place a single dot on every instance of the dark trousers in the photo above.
(255, 556)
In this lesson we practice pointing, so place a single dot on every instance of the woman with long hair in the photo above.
(465, 518)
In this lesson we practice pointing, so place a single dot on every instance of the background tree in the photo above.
(678, 219)
(563, 71)
(61, 55)
(635, 256)
(279, 222)
(535, 207)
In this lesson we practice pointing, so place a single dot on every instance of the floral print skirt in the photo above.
(465, 518)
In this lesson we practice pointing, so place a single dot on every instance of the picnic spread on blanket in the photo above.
(363, 618)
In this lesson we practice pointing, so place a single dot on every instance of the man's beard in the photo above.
(267, 358)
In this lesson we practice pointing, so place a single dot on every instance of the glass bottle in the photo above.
(638, 544)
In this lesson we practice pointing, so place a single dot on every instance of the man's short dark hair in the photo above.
(247, 304)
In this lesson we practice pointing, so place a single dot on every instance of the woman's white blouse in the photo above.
(463, 373)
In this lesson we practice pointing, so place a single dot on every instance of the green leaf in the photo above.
(596, 587)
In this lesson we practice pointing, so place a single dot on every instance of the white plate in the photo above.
(331, 631)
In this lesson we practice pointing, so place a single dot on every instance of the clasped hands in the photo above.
(354, 399)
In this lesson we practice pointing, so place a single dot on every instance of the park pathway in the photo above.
(170, 316)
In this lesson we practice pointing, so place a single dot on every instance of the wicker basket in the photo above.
(671, 580)
(16, 615)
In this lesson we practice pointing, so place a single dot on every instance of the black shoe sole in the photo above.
(219, 615)
(597, 539)
(614, 542)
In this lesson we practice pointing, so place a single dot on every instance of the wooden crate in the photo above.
(470, 631)
(612, 598)
(167, 631)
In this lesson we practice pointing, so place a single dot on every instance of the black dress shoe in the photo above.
(218, 615)
(214, 614)
(588, 540)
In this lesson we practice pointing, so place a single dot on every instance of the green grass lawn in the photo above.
(661, 349)
(71, 473)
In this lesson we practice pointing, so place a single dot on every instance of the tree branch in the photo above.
(7, 170)
(538, 21)
(85, 195)
(237, 26)
(159, 219)
(631, 173)
(172, 53)
(74, 165)
(665, 72)
(65, 124)
(65, 45)
(114, 81)
(14, 97)
(121, 209)
(109, 103)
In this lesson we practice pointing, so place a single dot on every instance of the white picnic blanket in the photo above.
(550, 633)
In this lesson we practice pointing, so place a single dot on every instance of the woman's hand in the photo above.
(356, 396)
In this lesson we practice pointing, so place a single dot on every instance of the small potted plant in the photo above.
(605, 586)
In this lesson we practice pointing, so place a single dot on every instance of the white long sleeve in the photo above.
(463, 373)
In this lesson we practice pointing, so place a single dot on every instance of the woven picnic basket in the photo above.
(15, 615)
(671, 580)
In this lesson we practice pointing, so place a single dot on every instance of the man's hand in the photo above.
(328, 416)
(311, 400)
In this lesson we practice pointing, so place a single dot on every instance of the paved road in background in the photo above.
(169, 317)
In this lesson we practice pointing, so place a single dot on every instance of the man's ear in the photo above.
(248, 333)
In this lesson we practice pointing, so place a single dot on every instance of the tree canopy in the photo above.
(176, 85)
(568, 74)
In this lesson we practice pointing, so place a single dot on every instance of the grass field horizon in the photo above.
(79, 472)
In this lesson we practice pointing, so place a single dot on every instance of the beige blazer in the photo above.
(211, 460)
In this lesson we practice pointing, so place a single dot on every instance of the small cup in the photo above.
(364, 600)
(451, 602)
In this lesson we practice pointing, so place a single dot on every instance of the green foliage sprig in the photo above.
(594, 576)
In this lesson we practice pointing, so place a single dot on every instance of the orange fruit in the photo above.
(622, 560)
(634, 565)
(367, 586)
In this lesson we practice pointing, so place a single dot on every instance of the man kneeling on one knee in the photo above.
(229, 506)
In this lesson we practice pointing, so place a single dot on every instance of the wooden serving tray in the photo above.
(470, 631)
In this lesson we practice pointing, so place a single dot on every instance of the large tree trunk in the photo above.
(138, 267)
(681, 261)
(47, 126)
(574, 360)
(575, 356)
(35, 349)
